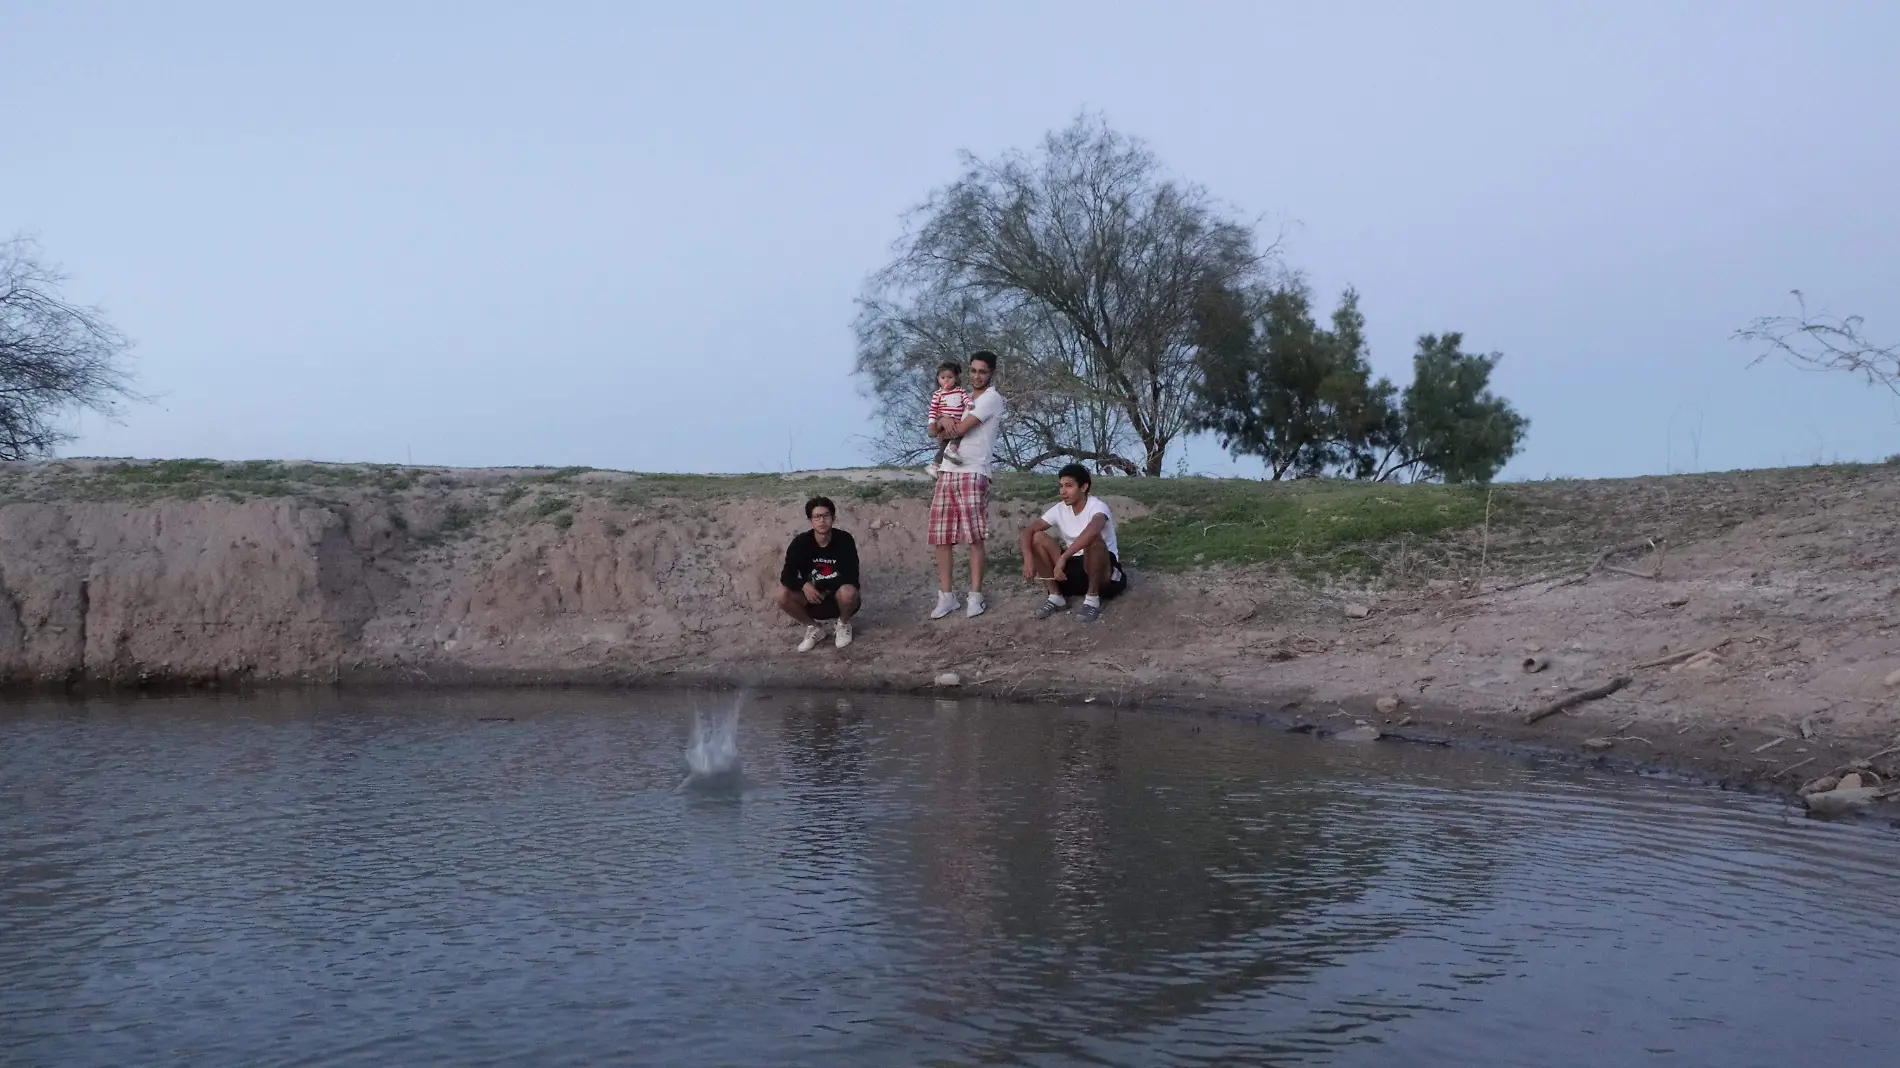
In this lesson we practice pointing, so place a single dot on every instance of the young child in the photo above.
(947, 406)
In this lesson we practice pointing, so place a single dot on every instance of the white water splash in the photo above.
(712, 756)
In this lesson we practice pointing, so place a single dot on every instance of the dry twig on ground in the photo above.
(1577, 697)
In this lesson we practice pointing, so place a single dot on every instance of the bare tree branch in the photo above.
(1823, 343)
(55, 356)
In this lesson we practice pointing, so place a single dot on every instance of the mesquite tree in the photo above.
(55, 356)
(1082, 266)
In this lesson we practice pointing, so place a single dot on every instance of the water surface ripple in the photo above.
(522, 879)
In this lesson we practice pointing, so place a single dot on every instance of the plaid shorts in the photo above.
(960, 508)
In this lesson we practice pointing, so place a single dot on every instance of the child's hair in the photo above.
(951, 366)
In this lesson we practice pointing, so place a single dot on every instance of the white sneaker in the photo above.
(931, 469)
(976, 606)
(812, 634)
(946, 604)
(843, 637)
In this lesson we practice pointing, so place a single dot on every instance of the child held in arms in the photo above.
(947, 406)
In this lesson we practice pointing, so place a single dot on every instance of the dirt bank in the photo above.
(182, 573)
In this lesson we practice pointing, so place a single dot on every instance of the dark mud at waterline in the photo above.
(521, 879)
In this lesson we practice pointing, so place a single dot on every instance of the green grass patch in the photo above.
(1308, 526)
(190, 479)
(547, 506)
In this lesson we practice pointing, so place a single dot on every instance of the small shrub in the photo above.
(456, 520)
(564, 520)
(512, 494)
(547, 506)
(560, 474)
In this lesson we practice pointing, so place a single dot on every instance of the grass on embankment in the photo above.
(1311, 528)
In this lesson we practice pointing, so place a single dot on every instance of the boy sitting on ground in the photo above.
(1084, 561)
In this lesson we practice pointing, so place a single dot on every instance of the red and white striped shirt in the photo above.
(948, 404)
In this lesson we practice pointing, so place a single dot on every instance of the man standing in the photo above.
(1086, 560)
(960, 507)
(820, 578)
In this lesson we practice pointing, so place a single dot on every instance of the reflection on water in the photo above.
(515, 878)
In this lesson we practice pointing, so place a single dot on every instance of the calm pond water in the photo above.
(521, 879)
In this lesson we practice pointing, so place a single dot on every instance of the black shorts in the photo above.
(1075, 578)
(826, 608)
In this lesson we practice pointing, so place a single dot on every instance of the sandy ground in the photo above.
(1792, 582)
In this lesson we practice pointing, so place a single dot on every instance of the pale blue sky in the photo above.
(630, 235)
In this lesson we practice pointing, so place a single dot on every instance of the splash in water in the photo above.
(712, 756)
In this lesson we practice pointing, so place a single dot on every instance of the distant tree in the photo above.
(1053, 413)
(1823, 343)
(1276, 385)
(1447, 426)
(1080, 265)
(55, 356)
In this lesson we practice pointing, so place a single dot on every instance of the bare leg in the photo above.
(1095, 562)
(1047, 556)
(943, 567)
(976, 567)
(793, 601)
(847, 603)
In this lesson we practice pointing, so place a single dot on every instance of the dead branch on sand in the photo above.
(1687, 654)
(1577, 697)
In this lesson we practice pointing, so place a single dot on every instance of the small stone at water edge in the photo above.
(1838, 800)
(1821, 785)
(1357, 734)
(1598, 743)
(1359, 611)
(949, 678)
(1387, 705)
(1849, 781)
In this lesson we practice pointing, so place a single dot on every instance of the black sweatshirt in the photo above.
(827, 569)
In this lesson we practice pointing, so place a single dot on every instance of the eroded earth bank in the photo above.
(1410, 610)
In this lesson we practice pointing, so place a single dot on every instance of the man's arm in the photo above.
(987, 405)
(1090, 534)
(959, 428)
(791, 575)
(847, 559)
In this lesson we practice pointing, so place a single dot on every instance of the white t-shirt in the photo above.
(979, 445)
(1071, 524)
